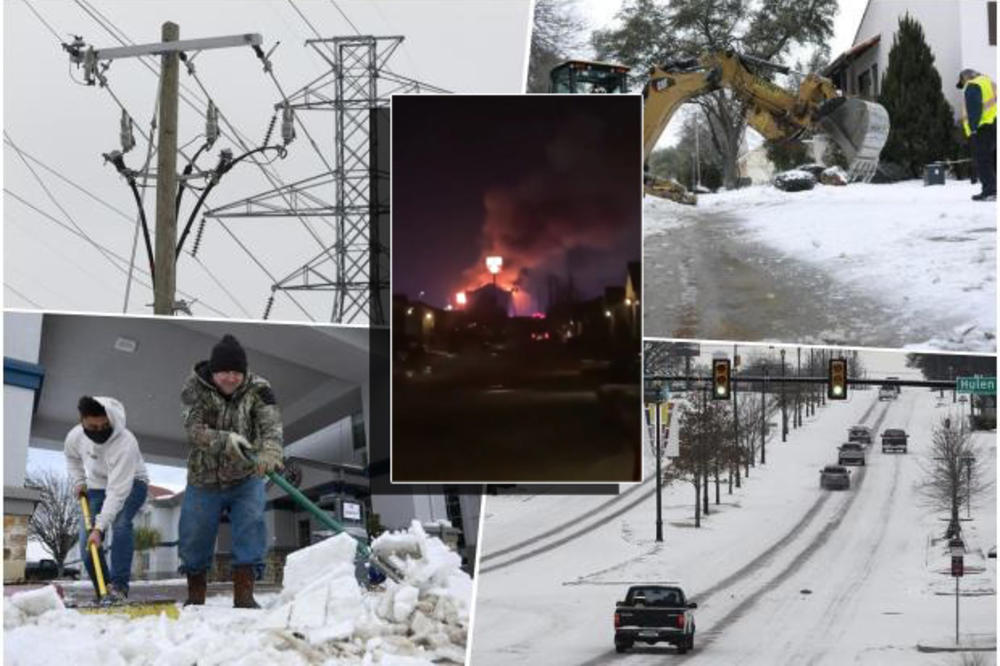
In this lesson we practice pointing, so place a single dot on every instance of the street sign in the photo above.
(976, 385)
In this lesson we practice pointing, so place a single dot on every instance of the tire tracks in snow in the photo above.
(585, 529)
(801, 558)
(848, 591)
(762, 560)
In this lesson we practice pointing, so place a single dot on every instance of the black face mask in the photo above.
(98, 436)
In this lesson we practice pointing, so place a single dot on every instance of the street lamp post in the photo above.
(784, 412)
(763, 417)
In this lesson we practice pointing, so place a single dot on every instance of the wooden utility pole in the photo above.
(166, 177)
(169, 50)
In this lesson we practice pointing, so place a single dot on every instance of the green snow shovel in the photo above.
(376, 568)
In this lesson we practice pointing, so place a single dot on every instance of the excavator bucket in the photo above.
(860, 129)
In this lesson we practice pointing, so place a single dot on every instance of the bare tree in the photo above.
(954, 472)
(557, 33)
(56, 521)
(705, 438)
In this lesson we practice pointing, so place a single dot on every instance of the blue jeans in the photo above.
(122, 545)
(200, 514)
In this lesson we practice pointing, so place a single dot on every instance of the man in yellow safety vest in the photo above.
(979, 115)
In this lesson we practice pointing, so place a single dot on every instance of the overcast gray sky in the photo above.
(458, 45)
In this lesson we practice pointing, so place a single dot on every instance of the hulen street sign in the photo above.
(976, 385)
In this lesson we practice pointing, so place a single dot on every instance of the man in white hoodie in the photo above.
(104, 462)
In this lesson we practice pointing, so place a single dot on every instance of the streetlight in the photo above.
(493, 265)
(784, 413)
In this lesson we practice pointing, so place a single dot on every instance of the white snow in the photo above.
(865, 556)
(930, 251)
(321, 615)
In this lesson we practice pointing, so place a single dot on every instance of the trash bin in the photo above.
(934, 174)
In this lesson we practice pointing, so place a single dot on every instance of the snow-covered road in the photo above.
(783, 573)
(877, 265)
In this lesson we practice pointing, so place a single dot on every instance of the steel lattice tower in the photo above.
(355, 266)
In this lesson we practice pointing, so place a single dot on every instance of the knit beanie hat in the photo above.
(228, 355)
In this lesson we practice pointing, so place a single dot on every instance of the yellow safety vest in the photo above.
(989, 93)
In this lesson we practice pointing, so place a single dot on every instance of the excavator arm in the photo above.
(858, 127)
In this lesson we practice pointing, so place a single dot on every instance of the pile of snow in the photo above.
(321, 615)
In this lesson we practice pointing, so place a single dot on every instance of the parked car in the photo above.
(48, 570)
(851, 453)
(894, 439)
(834, 477)
(654, 614)
(860, 433)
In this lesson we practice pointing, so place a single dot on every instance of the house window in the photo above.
(875, 90)
(991, 20)
(358, 430)
(865, 84)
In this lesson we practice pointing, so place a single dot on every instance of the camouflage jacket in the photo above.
(209, 417)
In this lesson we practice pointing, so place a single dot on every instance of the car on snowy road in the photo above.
(860, 433)
(894, 439)
(654, 614)
(833, 477)
(851, 453)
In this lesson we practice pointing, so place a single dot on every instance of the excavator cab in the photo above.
(587, 77)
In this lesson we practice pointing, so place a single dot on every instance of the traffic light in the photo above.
(836, 387)
(720, 379)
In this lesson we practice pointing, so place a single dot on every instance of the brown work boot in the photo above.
(243, 576)
(197, 586)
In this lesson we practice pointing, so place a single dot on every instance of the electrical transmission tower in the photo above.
(354, 266)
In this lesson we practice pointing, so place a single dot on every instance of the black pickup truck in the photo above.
(654, 614)
(48, 570)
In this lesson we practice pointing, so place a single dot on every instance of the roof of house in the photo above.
(851, 54)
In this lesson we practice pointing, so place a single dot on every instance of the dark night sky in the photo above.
(552, 183)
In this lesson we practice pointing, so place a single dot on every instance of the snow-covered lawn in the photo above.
(321, 616)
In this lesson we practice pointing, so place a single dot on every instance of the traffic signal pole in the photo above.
(659, 480)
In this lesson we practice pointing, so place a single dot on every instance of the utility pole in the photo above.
(166, 177)
(169, 50)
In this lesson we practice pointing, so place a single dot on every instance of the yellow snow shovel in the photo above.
(105, 605)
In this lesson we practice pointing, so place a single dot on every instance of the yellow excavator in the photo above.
(858, 127)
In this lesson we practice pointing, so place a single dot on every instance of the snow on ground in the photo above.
(782, 571)
(923, 248)
(321, 615)
(875, 265)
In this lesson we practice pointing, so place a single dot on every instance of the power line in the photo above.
(22, 296)
(69, 182)
(273, 279)
(113, 254)
(44, 22)
(339, 10)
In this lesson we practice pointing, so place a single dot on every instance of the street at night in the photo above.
(516, 286)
